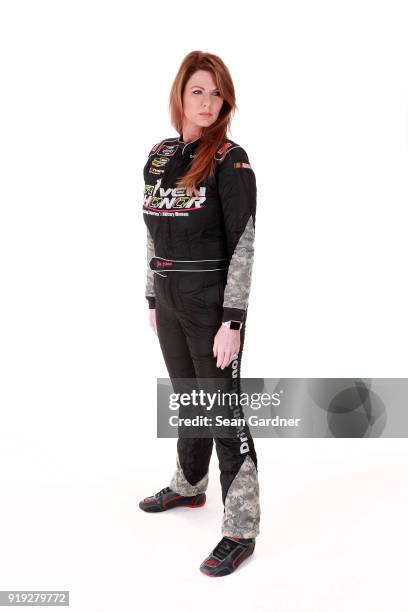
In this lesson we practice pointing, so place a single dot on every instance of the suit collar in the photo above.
(188, 147)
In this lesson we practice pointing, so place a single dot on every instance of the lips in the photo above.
(205, 114)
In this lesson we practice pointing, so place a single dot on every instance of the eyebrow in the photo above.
(199, 87)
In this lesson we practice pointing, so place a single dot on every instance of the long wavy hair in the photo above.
(214, 136)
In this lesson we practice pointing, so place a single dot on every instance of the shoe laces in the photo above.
(162, 491)
(224, 547)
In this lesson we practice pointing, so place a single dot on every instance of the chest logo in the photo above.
(171, 201)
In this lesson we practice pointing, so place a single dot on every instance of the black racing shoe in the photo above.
(227, 556)
(167, 499)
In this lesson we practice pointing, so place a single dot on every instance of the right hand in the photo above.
(152, 319)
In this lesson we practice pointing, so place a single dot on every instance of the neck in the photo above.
(190, 133)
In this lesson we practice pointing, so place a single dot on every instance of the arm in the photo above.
(237, 192)
(149, 293)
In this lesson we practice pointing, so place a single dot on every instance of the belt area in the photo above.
(187, 265)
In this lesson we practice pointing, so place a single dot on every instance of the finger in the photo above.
(234, 354)
(220, 357)
(226, 360)
(233, 357)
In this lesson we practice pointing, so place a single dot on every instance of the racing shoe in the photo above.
(167, 499)
(227, 556)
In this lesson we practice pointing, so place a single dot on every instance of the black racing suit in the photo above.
(199, 264)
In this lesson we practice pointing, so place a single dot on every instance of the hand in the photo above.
(152, 319)
(226, 346)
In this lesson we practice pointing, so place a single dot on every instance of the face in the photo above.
(202, 101)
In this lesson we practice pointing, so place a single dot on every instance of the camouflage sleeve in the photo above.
(149, 293)
(237, 193)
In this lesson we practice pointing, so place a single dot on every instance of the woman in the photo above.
(199, 208)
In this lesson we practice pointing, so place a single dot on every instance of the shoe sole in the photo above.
(192, 504)
(197, 505)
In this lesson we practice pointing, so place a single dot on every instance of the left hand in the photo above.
(226, 346)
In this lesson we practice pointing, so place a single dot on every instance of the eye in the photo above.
(217, 93)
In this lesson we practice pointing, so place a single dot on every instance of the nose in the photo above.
(206, 101)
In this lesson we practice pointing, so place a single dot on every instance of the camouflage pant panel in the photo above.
(182, 486)
(241, 508)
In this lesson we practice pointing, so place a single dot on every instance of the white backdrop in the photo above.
(322, 95)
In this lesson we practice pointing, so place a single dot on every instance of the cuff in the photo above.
(233, 314)
(152, 301)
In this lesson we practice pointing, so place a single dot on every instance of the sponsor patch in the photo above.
(172, 201)
(155, 170)
(159, 162)
(167, 149)
(242, 165)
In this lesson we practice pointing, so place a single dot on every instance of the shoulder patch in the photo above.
(242, 165)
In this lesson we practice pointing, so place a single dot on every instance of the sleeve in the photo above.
(237, 193)
(149, 293)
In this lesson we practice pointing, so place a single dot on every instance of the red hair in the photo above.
(214, 136)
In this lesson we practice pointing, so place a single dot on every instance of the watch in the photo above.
(233, 324)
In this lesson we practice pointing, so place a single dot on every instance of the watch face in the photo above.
(235, 325)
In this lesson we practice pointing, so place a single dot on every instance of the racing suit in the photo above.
(199, 264)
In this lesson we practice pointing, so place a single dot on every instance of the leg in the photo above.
(236, 455)
(193, 454)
